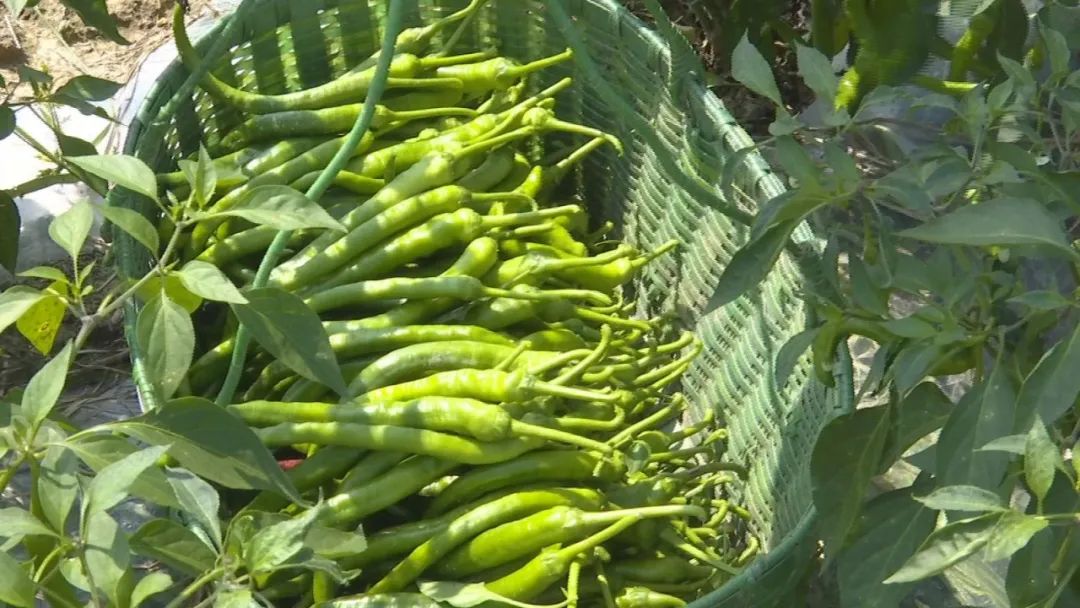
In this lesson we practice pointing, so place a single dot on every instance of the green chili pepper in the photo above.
(369, 467)
(459, 531)
(477, 419)
(552, 564)
(490, 385)
(396, 438)
(347, 508)
(404, 538)
(459, 287)
(496, 74)
(643, 597)
(523, 537)
(418, 359)
(440, 232)
(557, 466)
(371, 234)
(325, 121)
(666, 569)
(319, 468)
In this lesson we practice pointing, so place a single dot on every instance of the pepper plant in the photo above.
(956, 256)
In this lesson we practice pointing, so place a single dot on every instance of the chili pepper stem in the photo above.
(572, 584)
(524, 429)
(506, 363)
(465, 15)
(647, 423)
(588, 424)
(591, 315)
(669, 536)
(598, 353)
(437, 61)
(566, 392)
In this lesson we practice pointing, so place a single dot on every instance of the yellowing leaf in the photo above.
(40, 324)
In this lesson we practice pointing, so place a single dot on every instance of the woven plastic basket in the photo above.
(678, 137)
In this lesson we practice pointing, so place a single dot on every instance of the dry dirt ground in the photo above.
(52, 38)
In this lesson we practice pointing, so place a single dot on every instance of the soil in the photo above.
(51, 37)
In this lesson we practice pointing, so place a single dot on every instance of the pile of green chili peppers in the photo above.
(509, 421)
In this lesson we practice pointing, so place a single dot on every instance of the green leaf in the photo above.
(10, 226)
(333, 544)
(751, 69)
(16, 588)
(1030, 577)
(921, 412)
(984, 413)
(1041, 459)
(111, 484)
(16, 523)
(750, 265)
(126, 171)
(15, 302)
(1013, 444)
(277, 544)
(864, 293)
(280, 207)
(96, 14)
(45, 272)
(1012, 532)
(42, 322)
(1042, 300)
(108, 558)
(205, 280)
(913, 364)
(213, 444)
(202, 176)
(893, 527)
(1053, 386)
(788, 355)
(81, 91)
(947, 547)
(174, 290)
(174, 545)
(910, 327)
(466, 595)
(199, 499)
(845, 458)
(282, 324)
(45, 387)
(166, 337)
(817, 72)
(235, 598)
(1057, 49)
(963, 498)
(133, 223)
(99, 450)
(1001, 221)
(88, 88)
(70, 229)
(151, 584)
(796, 161)
(58, 485)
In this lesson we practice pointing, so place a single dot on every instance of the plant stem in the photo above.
(5, 477)
(395, 17)
(194, 587)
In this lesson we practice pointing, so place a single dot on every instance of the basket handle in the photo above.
(685, 63)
